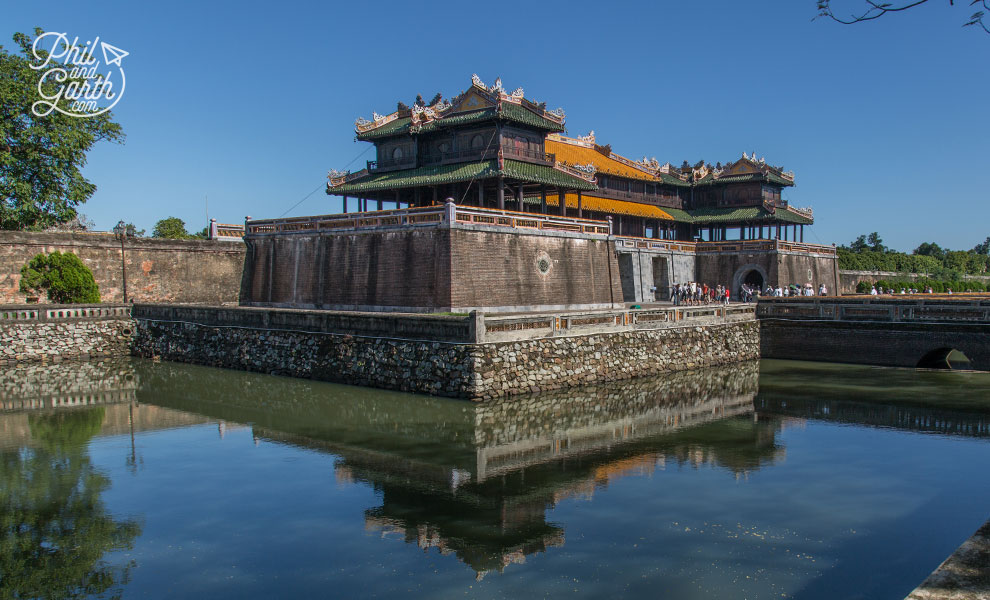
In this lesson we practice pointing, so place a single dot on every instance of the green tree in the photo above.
(983, 248)
(40, 157)
(858, 245)
(876, 244)
(202, 235)
(172, 228)
(63, 275)
(133, 231)
(930, 249)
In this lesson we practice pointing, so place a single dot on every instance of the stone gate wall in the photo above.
(157, 270)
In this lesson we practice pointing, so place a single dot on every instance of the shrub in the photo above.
(64, 276)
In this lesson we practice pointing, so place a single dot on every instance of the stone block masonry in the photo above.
(462, 369)
(157, 270)
(55, 333)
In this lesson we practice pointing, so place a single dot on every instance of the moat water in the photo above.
(762, 480)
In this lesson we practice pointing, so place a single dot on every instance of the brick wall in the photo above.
(430, 269)
(157, 270)
(492, 269)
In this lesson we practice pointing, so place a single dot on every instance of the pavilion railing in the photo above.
(427, 216)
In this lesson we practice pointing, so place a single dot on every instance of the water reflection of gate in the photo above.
(477, 480)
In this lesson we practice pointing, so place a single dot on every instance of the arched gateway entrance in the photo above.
(752, 275)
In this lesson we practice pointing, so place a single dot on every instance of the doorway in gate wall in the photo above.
(627, 277)
(661, 277)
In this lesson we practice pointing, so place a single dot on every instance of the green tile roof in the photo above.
(433, 175)
(789, 216)
(709, 216)
(673, 180)
(510, 112)
(442, 174)
(520, 114)
(546, 175)
(396, 127)
(680, 216)
(771, 177)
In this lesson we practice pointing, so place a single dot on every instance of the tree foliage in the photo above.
(65, 277)
(869, 10)
(55, 528)
(171, 228)
(40, 157)
(868, 253)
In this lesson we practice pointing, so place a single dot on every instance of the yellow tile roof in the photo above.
(573, 154)
(616, 207)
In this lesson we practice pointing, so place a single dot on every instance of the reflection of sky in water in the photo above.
(732, 508)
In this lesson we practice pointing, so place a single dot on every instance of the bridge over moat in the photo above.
(915, 331)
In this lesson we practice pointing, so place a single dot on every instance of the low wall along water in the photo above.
(569, 350)
(51, 333)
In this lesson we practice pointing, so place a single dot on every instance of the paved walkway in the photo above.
(963, 576)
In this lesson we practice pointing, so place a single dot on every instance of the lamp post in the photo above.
(120, 232)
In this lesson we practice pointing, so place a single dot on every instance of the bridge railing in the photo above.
(19, 313)
(907, 310)
(496, 328)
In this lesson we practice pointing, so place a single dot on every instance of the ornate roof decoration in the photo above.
(578, 171)
(650, 163)
(581, 152)
(337, 178)
(420, 113)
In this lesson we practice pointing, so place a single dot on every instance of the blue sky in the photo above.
(250, 104)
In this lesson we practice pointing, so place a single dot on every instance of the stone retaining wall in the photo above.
(462, 370)
(40, 333)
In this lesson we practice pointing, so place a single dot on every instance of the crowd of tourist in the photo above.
(693, 293)
(880, 291)
(795, 290)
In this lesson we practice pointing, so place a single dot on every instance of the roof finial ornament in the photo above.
(497, 86)
(745, 156)
(590, 138)
(477, 81)
(517, 93)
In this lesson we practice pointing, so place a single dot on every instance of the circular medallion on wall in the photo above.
(543, 263)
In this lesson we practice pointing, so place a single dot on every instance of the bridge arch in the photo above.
(945, 358)
(751, 273)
